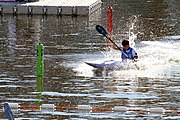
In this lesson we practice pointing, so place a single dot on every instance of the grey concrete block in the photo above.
(83, 10)
(51, 10)
(22, 10)
(37, 10)
(7, 9)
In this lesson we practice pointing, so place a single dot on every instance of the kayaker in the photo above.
(128, 52)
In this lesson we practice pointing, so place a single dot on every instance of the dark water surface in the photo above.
(70, 41)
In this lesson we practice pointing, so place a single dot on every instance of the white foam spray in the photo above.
(156, 58)
(132, 35)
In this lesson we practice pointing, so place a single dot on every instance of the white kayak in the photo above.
(108, 64)
(114, 65)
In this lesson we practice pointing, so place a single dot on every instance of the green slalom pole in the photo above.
(40, 71)
(40, 63)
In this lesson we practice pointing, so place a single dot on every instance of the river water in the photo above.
(70, 41)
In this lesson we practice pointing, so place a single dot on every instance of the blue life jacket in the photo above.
(129, 54)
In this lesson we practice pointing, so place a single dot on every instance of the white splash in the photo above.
(132, 35)
(156, 58)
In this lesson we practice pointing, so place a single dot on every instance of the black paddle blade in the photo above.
(101, 30)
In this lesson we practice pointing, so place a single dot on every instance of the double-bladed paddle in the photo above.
(102, 31)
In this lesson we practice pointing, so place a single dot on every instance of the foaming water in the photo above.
(111, 54)
(156, 58)
(159, 55)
